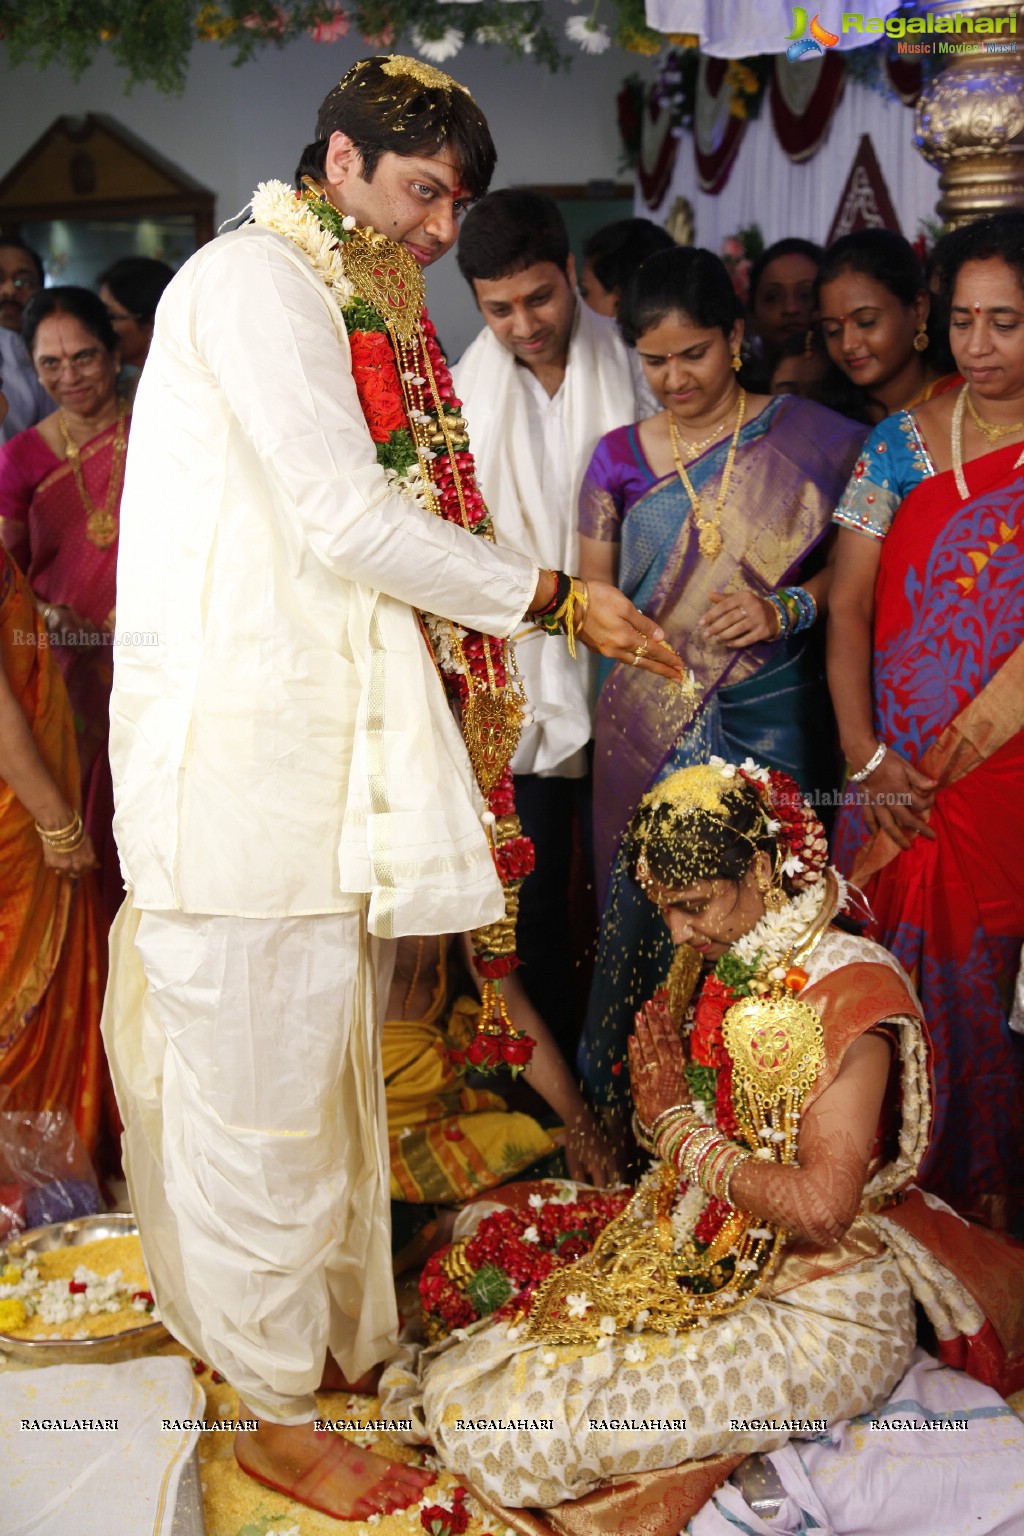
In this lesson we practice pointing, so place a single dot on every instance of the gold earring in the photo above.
(921, 339)
(774, 899)
(737, 361)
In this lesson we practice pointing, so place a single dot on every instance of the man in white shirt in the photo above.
(21, 276)
(541, 384)
(291, 791)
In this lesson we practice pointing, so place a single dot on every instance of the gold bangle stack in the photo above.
(64, 839)
(700, 1152)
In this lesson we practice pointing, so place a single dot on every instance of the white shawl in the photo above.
(596, 395)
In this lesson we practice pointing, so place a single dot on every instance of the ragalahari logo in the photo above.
(799, 44)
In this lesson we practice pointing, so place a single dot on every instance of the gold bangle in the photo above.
(69, 847)
(57, 837)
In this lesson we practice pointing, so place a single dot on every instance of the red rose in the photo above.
(516, 1050)
(377, 383)
(484, 1051)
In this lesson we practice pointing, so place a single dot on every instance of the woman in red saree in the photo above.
(936, 508)
(52, 943)
(60, 492)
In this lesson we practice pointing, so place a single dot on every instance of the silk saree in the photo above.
(949, 697)
(53, 961)
(44, 526)
(768, 701)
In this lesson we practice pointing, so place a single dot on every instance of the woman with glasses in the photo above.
(60, 494)
(130, 291)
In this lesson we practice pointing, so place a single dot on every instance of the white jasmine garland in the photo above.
(442, 643)
(275, 206)
(778, 933)
(686, 1212)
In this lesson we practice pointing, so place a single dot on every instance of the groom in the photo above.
(291, 792)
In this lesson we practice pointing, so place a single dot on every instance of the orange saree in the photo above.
(53, 961)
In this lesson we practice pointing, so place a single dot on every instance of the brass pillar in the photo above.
(969, 120)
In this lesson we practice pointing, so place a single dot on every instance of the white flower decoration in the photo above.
(438, 49)
(641, 1319)
(773, 828)
(537, 1202)
(531, 1235)
(577, 1303)
(754, 770)
(592, 36)
(793, 865)
(635, 1352)
(348, 222)
(549, 1358)
(608, 1324)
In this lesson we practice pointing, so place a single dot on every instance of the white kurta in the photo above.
(530, 467)
(286, 747)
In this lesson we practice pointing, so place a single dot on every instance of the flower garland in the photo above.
(496, 1272)
(412, 413)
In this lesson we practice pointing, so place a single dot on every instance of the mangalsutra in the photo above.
(709, 530)
(100, 523)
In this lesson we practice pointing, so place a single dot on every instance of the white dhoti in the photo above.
(246, 1060)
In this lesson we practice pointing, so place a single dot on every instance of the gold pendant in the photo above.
(710, 541)
(101, 528)
(776, 1044)
(384, 274)
(491, 723)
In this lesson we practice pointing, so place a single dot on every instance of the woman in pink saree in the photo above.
(60, 492)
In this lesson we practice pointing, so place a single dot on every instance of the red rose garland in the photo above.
(500, 1268)
(405, 406)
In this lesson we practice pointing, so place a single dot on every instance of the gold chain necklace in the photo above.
(101, 525)
(709, 531)
(991, 430)
(693, 449)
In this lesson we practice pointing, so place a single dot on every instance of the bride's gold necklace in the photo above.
(100, 523)
(709, 538)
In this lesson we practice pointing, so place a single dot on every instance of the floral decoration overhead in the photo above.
(152, 40)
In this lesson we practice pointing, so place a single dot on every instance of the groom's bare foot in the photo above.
(325, 1471)
(334, 1381)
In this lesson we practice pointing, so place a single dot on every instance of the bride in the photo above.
(761, 1281)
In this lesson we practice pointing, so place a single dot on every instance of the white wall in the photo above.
(234, 127)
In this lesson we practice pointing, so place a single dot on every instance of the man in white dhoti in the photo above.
(541, 384)
(292, 792)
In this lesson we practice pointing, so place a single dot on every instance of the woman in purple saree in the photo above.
(733, 566)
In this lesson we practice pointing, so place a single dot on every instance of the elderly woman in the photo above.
(761, 1281)
(60, 496)
(52, 942)
(714, 516)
